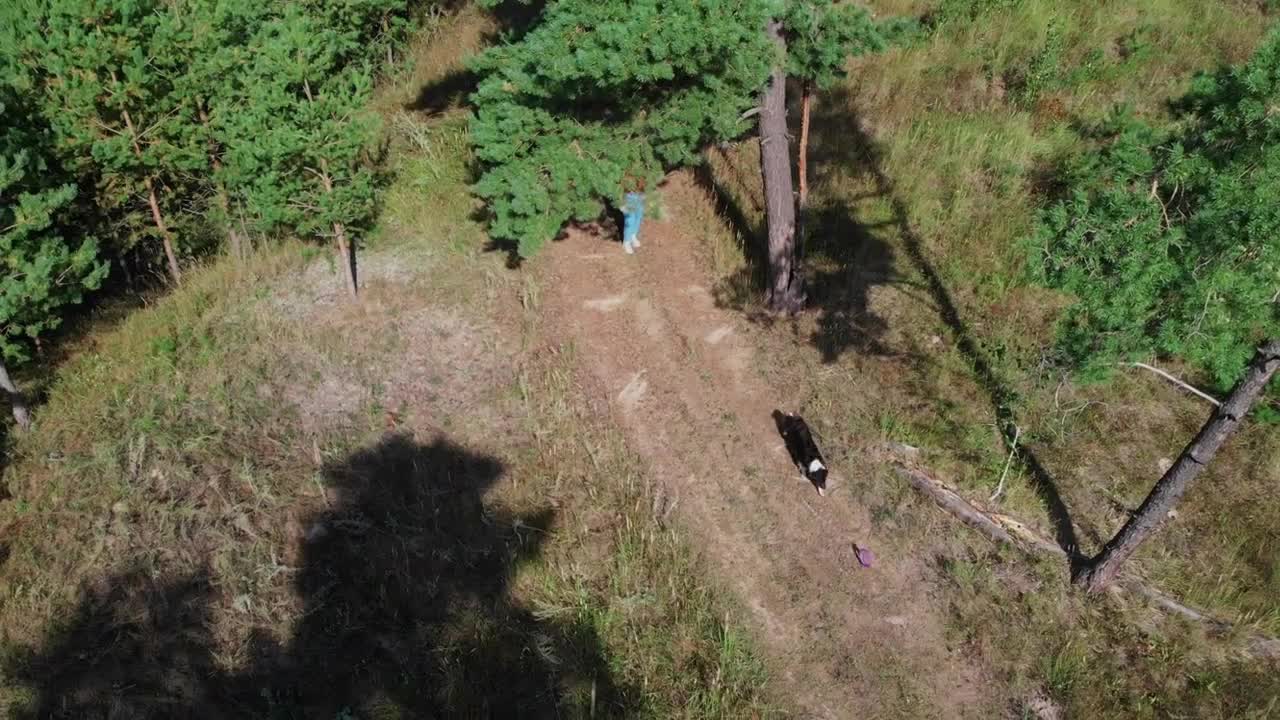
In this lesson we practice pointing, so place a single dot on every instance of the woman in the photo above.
(632, 214)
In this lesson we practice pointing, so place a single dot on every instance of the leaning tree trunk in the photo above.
(1101, 570)
(802, 156)
(20, 412)
(158, 218)
(786, 293)
(153, 200)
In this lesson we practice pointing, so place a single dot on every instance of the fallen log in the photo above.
(1005, 529)
(951, 501)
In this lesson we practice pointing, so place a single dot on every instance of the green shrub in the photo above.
(1168, 238)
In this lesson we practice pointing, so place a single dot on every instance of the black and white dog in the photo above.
(803, 450)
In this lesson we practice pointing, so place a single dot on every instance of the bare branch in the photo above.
(1176, 381)
(1013, 450)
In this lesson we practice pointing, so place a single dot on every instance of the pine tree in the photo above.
(1166, 236)
(817, 38)
(41, 274)
(176, 117)
(298, 142)
(821, 37)
(252, 120)
(597, 91)
(107, 74)
(339, 137)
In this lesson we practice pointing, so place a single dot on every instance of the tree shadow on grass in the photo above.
(845, 261)
(738, 290)
(448, 92)
(406, 612)
(513, 19)
(845, 258)
(135, 647)
(864, 153)
(842, 260)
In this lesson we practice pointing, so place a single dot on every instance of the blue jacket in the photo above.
(632, 214)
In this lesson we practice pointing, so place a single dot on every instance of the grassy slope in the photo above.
(927, 165)
(210, 512)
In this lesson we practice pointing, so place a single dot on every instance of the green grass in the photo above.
(258, 496)
(928, 168)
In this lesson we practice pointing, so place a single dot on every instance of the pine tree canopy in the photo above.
(821, 36)
(276, 137)
(1167, 236)
(109, 73)
(598, 94)
(40, 272)
(173, 120)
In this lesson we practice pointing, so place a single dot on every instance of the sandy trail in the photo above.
(683, 380)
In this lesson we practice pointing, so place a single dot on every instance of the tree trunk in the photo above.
(234, 238)
(152, 200)
(1101, 570)
(345, 255)
(156, 216)
(21, 414)
(805, 100)
(786, 293)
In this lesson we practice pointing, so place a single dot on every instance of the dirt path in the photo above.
(681, 377)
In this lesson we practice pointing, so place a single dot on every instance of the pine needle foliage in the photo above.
(597, 96)
(40, 271)
(150, 129)
(822, 35)
(107, 78)
(1167, 237)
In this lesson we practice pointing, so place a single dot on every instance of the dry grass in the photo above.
(928, 166)
(258, 497)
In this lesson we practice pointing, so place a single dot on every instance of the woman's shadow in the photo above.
(406, 610)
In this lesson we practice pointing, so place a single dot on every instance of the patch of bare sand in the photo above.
(426, 366)
(320, 288)
(677, 371)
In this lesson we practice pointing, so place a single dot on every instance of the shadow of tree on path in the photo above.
(842, 261)
(406, 612)
(845, 258)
